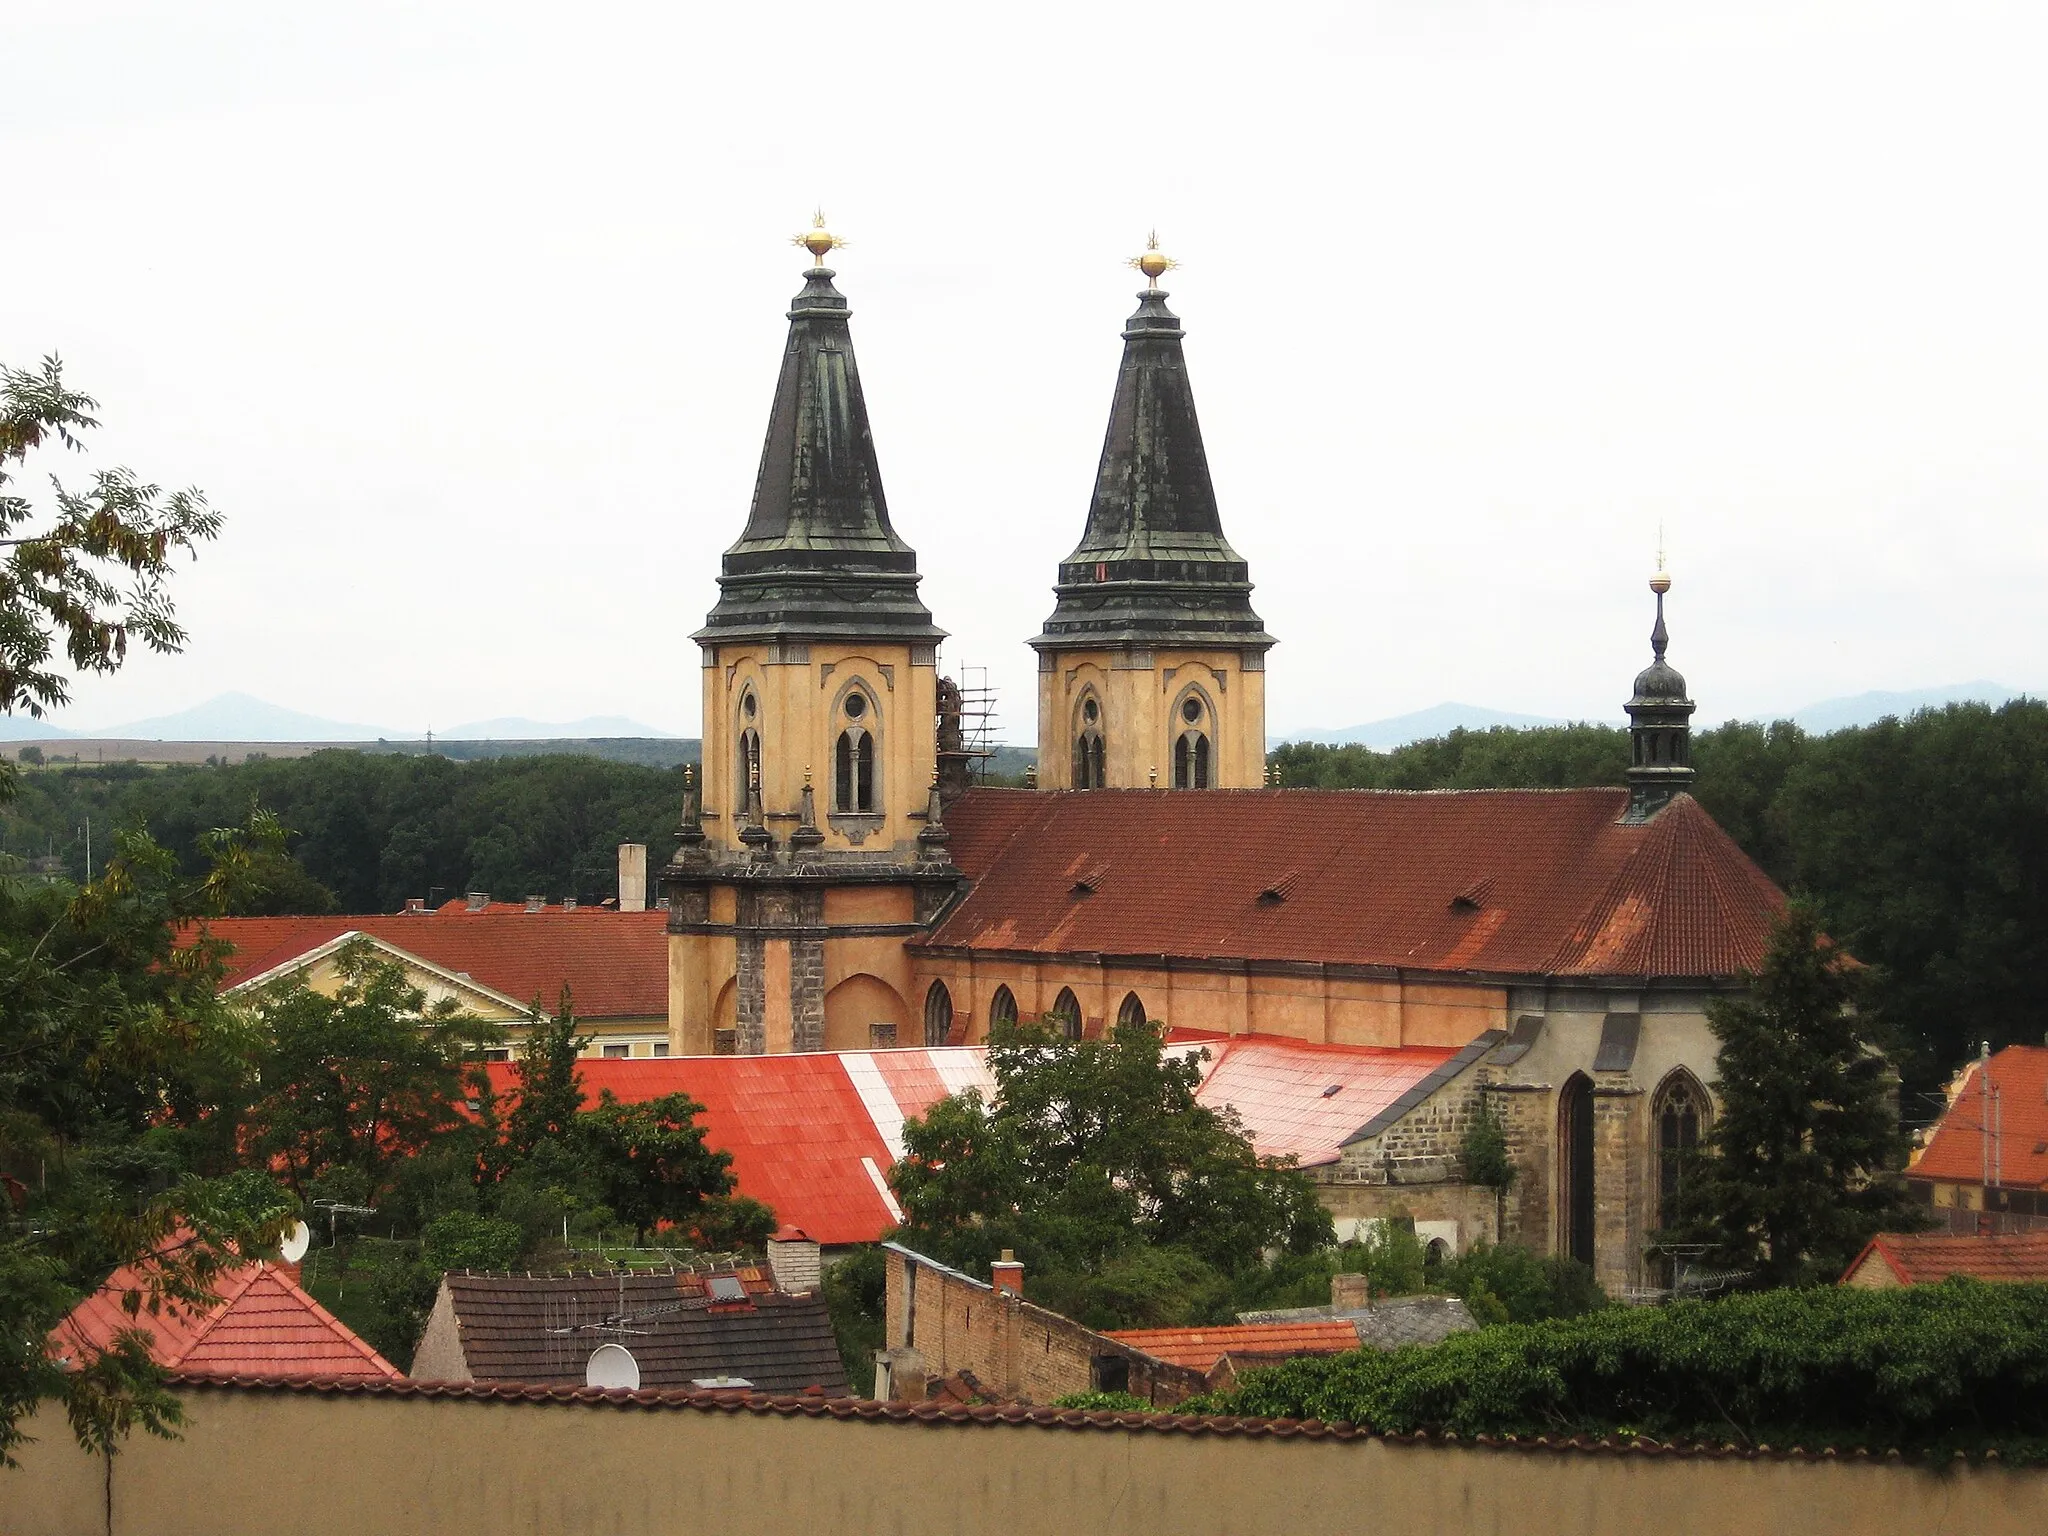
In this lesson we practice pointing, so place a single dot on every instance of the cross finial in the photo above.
(1154, 263)
(818, 240)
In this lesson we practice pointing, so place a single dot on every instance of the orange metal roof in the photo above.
(1497, 882)
(2014, 1137)
(1928, 1258)
(614, 963)
(260, 1324)
(1200, 1348)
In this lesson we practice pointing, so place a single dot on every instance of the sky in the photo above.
(468, 316)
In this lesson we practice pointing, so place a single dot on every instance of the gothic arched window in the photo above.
(1575, 1168)
(1088, 754)
(1066, 1014)
(748, 766)
(938, 1014)
(1191, 760)
(1002, 1008)
(853, 776)
(1678, 1114)
(1132, 1011)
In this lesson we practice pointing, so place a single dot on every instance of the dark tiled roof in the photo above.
(1383, 879)
(542, 1329)
(615, 964)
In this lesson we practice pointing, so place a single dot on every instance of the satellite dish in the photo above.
(296, 1242)
(612, 1365)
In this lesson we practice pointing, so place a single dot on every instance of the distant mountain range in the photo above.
(1827, 715)
(241, 717)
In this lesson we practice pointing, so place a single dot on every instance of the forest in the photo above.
(1922, 842)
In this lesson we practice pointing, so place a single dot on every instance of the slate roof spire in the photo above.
(1660, 723)
(818, 557)
(1153, 566)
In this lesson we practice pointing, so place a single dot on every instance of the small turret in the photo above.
(1660, 724)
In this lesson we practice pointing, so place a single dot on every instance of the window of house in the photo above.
(615, 1052)
(1002, 1008)
(1191, 760)
(661, 1047)
(1110, 1373)
(853, 780)
(938, 1014)
(497, 1053)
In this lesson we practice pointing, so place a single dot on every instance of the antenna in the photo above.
(296, 1242)
(612, 1366)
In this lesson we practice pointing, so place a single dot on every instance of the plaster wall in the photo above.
(1140, 693)
(460, 1467)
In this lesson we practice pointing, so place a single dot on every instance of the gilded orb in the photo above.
(1660, 583)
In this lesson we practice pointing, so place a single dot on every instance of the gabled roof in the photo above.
(544, 1328)
(1200, 1348)
(260, 1324)
(614, 963)
(1490, 882)
(1928, 1258)
(2014, 1138)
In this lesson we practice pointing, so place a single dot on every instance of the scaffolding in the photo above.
(977, 721)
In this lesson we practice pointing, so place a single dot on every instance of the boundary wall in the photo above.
(314, 1459)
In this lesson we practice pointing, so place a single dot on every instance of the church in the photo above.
(840, 885)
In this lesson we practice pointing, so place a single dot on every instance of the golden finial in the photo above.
(1155, 776)
(807, 775)
(818, 240)
(1660, 583)
(1155, 263)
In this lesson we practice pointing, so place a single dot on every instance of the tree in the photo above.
(1486, 1160)
(360, 1080)
(93, 577)
(1096, 1164)
(1799, 1168)
(649, 1161)
(547, 1096)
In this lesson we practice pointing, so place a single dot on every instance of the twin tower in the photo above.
(819, 819)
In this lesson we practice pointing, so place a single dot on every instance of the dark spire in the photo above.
(818, 556)
(1153, 567)
(1660, 725)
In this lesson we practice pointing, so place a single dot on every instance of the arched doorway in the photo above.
(1575, 1190)
(938, 1014)
(1066, 1014)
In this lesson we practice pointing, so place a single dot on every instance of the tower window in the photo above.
(749, 764)
(1191, 711)
(1088, 765)
(1090, 712)
(1191, 759)
(854, 770)
(856, 706)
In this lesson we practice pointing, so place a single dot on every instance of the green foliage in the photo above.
(855, 1295)
(1126, 1200)
(548, 1098)
(732, 1224)
(91, 575)
(1926, 1369)
(1512, 1284)
(649, 1162)
(1392, 1258)
(466, 1240)
(31, 754)
(1104, 1402)
(1483, 1154)
(1799, 1168)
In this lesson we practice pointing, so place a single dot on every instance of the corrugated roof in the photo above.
(1928, 1258)
(260, 1324)
(543, 1328)
(614, 963)
(2015, 1137)
(1498, 882)
(1200, 1348)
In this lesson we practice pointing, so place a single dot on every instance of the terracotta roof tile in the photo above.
(1928, 1258)
(615, 963)
(1958, 1147)
(1515, 882)
(261, 1324)
(1200, 1348)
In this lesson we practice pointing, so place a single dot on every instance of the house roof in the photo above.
(2015, 1137)
(1492, 882)
(1200, 1348)
(544, 1328)
(615, 964)
(261, 1323)
(1928, 1258)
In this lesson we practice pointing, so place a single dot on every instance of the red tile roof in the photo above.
(1200, 1348)
(1496, 882)
(1928, 1258)
(615, 963)
(260, 1324)
(2015, 1135)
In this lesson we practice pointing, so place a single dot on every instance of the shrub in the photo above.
(1104, 1402)
(1929, 1370)
(465, 1240)
(1511, 1284)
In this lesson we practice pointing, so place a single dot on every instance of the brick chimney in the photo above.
(1349, 1293)
(476, 901)
(536, 903)
(416, 904)
(632, 877)
(793, 1260)
(1006, 1274)
(568, 903)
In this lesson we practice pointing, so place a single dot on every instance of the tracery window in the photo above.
(1066, 1014)
(1002, 1008)
(1191, 747)
(853, 757)
(1088, 752)
(1678, 1114)
(748, 766)
(1132, 1011)
(938, 1014)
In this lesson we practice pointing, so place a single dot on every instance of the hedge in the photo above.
(1929, 1370)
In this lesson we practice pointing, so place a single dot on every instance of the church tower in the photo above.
(1659, 724)
(813, 841)
(1151, 669)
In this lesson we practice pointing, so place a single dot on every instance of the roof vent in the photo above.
(1333, 1090)
(1282, 888)
(725, 1288)
(1473, 897)
(1085, 886)
(720, 1383)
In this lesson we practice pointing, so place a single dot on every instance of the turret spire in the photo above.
(819, 557)
(1660, 722)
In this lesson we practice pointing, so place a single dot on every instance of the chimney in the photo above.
(536, 903)
(476, 901)
(793, 1260)
(1349, 1293)
(416, 904)
(632, 877)
(568, 903)
(1007, 1274)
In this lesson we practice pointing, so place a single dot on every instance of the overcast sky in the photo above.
(468, 316)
